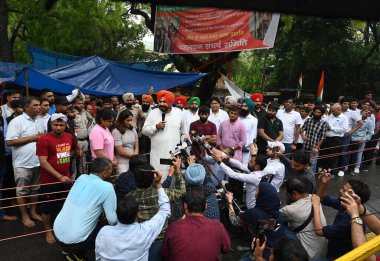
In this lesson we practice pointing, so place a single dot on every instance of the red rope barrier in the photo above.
(30, 186)
(35, 195)
(25, 235)
(342, 153)
(33, 203)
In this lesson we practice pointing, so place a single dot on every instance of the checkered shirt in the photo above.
(314, 131)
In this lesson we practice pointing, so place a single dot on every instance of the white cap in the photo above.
(58, 116)
(274, 144)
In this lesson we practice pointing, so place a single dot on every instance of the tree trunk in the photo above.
(6, 54)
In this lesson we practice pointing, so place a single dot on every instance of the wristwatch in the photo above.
(357, 220)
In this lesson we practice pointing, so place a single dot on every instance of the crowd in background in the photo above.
(81, 156)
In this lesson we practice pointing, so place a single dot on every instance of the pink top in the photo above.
(102, 139)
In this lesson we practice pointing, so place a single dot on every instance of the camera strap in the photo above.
(307, 221)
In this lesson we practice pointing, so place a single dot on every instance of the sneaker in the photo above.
(341, 173)
(356, 171)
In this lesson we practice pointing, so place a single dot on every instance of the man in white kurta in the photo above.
(164, 134)
(250, 123)
(191, 114)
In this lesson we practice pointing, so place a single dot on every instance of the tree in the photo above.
(82, 28)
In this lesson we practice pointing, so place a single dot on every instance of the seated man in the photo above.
(76, 224)
(300, 168)
(195, 237)
(129, 240)
(147, 197)
(339, 233)
(299, 216)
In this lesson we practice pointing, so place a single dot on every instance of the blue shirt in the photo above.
(52, 109)
(365, 132)
(83, 206)
(339, 233)
(132, 242)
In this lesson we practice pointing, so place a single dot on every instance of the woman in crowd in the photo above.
(101, 139)
(126, 141)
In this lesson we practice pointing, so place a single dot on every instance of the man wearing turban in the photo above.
(180, 102)
(250, 123)
(228, 102)
(191, 114)
(135, 109)
(258, 98)
(164, 125)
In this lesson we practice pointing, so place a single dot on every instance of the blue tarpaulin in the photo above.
(44, 59)
(98, 76)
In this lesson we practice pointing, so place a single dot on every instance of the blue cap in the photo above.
(195, 174)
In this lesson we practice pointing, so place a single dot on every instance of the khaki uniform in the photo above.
(81, 120)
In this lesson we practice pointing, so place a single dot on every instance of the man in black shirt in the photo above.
(269, 128)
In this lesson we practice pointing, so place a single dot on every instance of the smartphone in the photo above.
(166, 162)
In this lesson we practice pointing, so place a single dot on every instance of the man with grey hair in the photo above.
(337, 126)
(23, 133)
(76, 225)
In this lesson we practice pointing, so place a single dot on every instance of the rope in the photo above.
(35, 195)
(33, 203)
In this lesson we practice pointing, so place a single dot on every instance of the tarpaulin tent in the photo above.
(44, 59)
(95, 75)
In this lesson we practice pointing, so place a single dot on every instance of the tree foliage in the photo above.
(347, 50)
(83, 28)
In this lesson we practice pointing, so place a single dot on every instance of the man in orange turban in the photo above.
(257, 99)
(167, 96)
(147, 98)
(164, 125)
(180, 102)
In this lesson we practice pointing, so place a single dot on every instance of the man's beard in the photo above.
(203, 120)
(317, 118)
(257, 107)
(193, 109)
(129, 105)
(244, 113)
(163, 108)
(145, 107)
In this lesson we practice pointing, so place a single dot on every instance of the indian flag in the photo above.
(299, 89)
(321, 86)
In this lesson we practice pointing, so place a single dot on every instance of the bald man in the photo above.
(337, 126)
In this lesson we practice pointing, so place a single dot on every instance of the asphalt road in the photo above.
(35, 248)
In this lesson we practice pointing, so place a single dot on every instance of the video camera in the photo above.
(179, 151)
(264, 226)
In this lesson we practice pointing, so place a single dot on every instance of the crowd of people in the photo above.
(161, 177)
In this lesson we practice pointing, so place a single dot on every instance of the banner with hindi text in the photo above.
(207, 30)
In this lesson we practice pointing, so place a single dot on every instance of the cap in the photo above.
(61, 100)
(58, 116)
(275, 144)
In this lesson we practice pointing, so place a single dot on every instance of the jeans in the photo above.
(344, 159)
(313, 161)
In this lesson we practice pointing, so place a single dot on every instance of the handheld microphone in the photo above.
(163, 116)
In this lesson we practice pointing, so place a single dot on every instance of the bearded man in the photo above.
(164, 126)
(191, 114)
(180, 102)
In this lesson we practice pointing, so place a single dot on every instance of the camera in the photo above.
(264, 226)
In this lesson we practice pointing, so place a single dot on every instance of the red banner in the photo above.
(207, 30)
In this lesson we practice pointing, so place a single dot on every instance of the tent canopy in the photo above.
(98, 76)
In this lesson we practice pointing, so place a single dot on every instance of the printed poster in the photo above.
(207, 30)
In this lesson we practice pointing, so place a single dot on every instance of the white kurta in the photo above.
(189, 117)
(163, 141)
(218, 118)
(250, 124)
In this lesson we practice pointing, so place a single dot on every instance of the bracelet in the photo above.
(365, 211)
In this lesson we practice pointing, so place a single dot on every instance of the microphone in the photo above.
(163, 118)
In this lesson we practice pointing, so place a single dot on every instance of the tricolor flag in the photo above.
(299, 89)
(320, 87)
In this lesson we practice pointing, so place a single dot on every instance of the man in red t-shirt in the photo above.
(205, 127)
(195, 237)
(54, 151)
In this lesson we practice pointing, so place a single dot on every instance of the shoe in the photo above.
(341, 173)
(356, 171)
